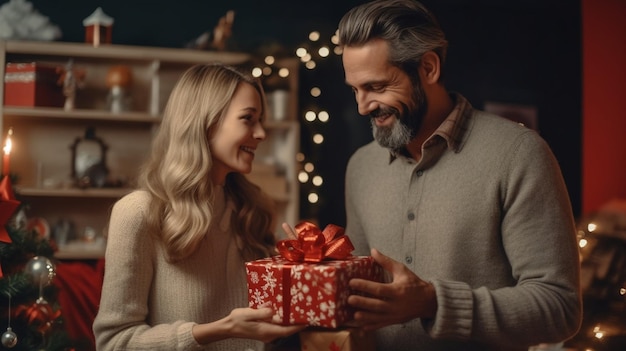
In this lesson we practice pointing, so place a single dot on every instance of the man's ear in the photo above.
(430, 68)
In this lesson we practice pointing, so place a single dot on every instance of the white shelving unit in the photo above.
(41, 156)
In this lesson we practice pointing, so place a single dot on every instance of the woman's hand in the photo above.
(246, 323)
(260, 324)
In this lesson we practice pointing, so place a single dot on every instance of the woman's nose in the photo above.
(259, 132)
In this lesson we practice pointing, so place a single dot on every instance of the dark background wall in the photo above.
(520, 52)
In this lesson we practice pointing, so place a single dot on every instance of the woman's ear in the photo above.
(430, 68)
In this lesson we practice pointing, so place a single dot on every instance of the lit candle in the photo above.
(7, 153)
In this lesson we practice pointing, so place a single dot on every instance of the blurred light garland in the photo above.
(311, 54)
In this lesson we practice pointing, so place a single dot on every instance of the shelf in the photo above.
(74, 192)
(122, 53)
(78, 114)
(81, 251)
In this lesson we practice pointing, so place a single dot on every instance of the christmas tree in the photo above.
(28, 306)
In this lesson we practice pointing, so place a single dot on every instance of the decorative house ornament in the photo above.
(98, 28)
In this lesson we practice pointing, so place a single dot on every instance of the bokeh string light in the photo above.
(315, 117)
(602, 248)
(318, 56)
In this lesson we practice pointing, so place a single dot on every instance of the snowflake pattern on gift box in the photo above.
(269, 279)
(279, 311)
(328, 307)
(254, 277)
(258, 297)
(297, 292)
(313, 319)
(296, 272)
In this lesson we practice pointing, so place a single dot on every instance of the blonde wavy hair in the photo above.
(177, 173)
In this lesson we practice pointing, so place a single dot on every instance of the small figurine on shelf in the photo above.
(218, 38)
(118, 79)
(63, 232)
(89, 167)
(98, 28)
(70, 78)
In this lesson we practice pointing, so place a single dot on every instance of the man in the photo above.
(467, 212)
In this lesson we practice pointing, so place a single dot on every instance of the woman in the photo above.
(174, 275)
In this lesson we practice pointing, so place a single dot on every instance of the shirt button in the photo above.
(408, 259)
(411, 216)
(419, 173)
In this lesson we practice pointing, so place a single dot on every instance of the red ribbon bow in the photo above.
(314, 245)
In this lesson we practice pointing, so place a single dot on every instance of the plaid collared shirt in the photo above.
(448, 134)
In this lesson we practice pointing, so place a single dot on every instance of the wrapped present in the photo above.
(32, 84)
(337, 340)
(308, 282)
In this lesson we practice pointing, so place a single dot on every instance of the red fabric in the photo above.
(80, 285)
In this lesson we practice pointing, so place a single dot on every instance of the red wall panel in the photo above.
(604, 102)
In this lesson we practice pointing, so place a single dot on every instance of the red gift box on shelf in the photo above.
(32, 84)
(336, 340)
(308, 282)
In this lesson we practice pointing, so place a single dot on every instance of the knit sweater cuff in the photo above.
(187, 341)
(454, 311)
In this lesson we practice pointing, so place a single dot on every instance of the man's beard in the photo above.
(407, 123)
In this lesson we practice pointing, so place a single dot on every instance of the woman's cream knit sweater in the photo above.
(150, 304)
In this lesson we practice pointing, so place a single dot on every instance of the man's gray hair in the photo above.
(407, 26)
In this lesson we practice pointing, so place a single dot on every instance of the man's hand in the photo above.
(407, 297)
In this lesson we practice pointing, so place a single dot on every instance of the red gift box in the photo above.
(32, 84)
(311, 293)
